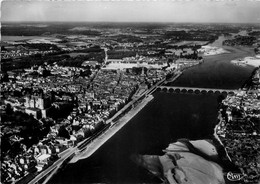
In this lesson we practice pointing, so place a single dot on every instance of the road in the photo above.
(92, 146)
(100, 140)
(55, 165)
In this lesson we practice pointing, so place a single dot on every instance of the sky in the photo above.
(226, 11)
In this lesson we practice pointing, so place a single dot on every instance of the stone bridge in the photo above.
(194, 89)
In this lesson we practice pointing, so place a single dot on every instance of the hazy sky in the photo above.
(133, 11)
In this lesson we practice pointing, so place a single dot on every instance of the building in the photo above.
(42, 160)
(37, 105)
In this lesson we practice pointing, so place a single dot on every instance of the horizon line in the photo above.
(155, 22)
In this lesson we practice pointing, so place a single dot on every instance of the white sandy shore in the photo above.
(210, 50)
(194, 168)
(180, 165)
(252, 61)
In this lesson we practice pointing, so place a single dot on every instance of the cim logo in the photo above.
(234, 176)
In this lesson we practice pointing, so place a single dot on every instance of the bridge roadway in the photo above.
(194, 89)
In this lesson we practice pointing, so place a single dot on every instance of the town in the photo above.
(60, 87)
(238, 128)
(47, 109)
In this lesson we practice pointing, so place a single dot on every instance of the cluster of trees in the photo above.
(63, 132)
(169, 75)
(191, 35)
(127, 39)
(62, 60)
(191, 56)
(31, 130)
(41, 46)
(4, 77)
(181, 47)
(61, 111)
(115, 54)
(94, 48)
(78, 60)
(85, 32)
(241, 40)
(3, 48)
(257, 50)
(254, 33)
(177, 34)
(87, 71)
(27, 62)
(138, 70)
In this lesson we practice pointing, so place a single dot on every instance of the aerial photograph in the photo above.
(130, 91)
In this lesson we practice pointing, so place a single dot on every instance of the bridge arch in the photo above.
(190, 91)
(184, 90)
(177, 90)
(203, 91)
(217, 92)
(171, 90)
(231, 92)
(197, 91)
(224, 93)
(210, 92)
(164, 89)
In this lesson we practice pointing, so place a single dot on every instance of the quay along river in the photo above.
(168, 117)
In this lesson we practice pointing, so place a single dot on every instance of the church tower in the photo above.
(106, 56)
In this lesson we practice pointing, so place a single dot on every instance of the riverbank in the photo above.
(116, 126)
(219, 140)
(238, 130)
(173, 78)
(217, 129)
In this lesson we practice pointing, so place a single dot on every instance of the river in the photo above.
(168, 117)
(217, 71)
